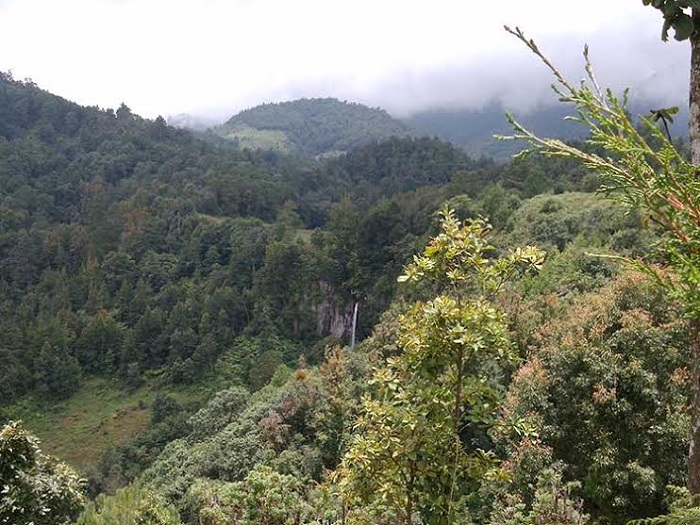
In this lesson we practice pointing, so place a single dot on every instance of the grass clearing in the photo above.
(100, 415)
(82, 428)
(266, 139)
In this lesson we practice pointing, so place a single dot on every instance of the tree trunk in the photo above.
(694, 323)
(694, 452)
(694, 114)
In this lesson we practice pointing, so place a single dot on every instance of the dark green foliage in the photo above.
(134, 251)
(676, 17)
(148, 248)
(57, 373)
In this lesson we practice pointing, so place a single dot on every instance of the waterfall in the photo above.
(354, 325)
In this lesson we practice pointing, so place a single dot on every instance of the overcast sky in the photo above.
(216, 57)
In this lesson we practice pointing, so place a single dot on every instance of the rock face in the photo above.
(333, 316)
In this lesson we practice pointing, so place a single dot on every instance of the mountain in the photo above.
(473, 130)
(310, 127)
(173, 314)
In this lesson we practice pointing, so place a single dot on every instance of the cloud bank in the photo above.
(216, 57)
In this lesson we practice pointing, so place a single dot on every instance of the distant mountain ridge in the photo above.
(318, 127)
(473, 130)
(310, 126)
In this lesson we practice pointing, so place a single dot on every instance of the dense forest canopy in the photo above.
(177, 313)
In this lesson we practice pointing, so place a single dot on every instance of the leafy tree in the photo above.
(604, 386)
(264, 496)
(132, 505)
(419, 441)
(221, 410)
(99, 343)
(552, 504)
(659, 180)
(15, 378)
(35, 488)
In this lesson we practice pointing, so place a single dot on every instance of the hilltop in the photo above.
(310, 127)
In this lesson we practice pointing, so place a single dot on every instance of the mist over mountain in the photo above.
(474, 130)
(323, 126)
(192, 122)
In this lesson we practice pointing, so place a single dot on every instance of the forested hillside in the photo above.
(177, 323)
(310, 127)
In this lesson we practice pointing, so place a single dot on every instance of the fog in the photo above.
(213, 58)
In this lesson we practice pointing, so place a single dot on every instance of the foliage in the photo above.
(129, 506)
(136, 256)
(35, 488)
(676, 16)
(416, 446)
(604, 385)
(659, 180)
(552, 503)
(555, 221)
(146, 249)
(652, 175)
(264, 496)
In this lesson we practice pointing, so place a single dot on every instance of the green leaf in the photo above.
(671, 9)
(683, 26)
(663, 114)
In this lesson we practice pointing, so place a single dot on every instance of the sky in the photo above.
(216, 57)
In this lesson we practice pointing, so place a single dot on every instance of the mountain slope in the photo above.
(473, 130)
(317, 126)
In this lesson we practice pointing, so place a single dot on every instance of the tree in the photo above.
(684, 17)
(419, 443)
(643, 169)
(604, 384)
(264, 496)
(57, 372)
(130, 505)
(35, 488)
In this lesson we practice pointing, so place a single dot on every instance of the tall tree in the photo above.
(684, 17)
(414, 450)
(644, 170)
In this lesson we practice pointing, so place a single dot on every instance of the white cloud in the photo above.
(170, 56)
